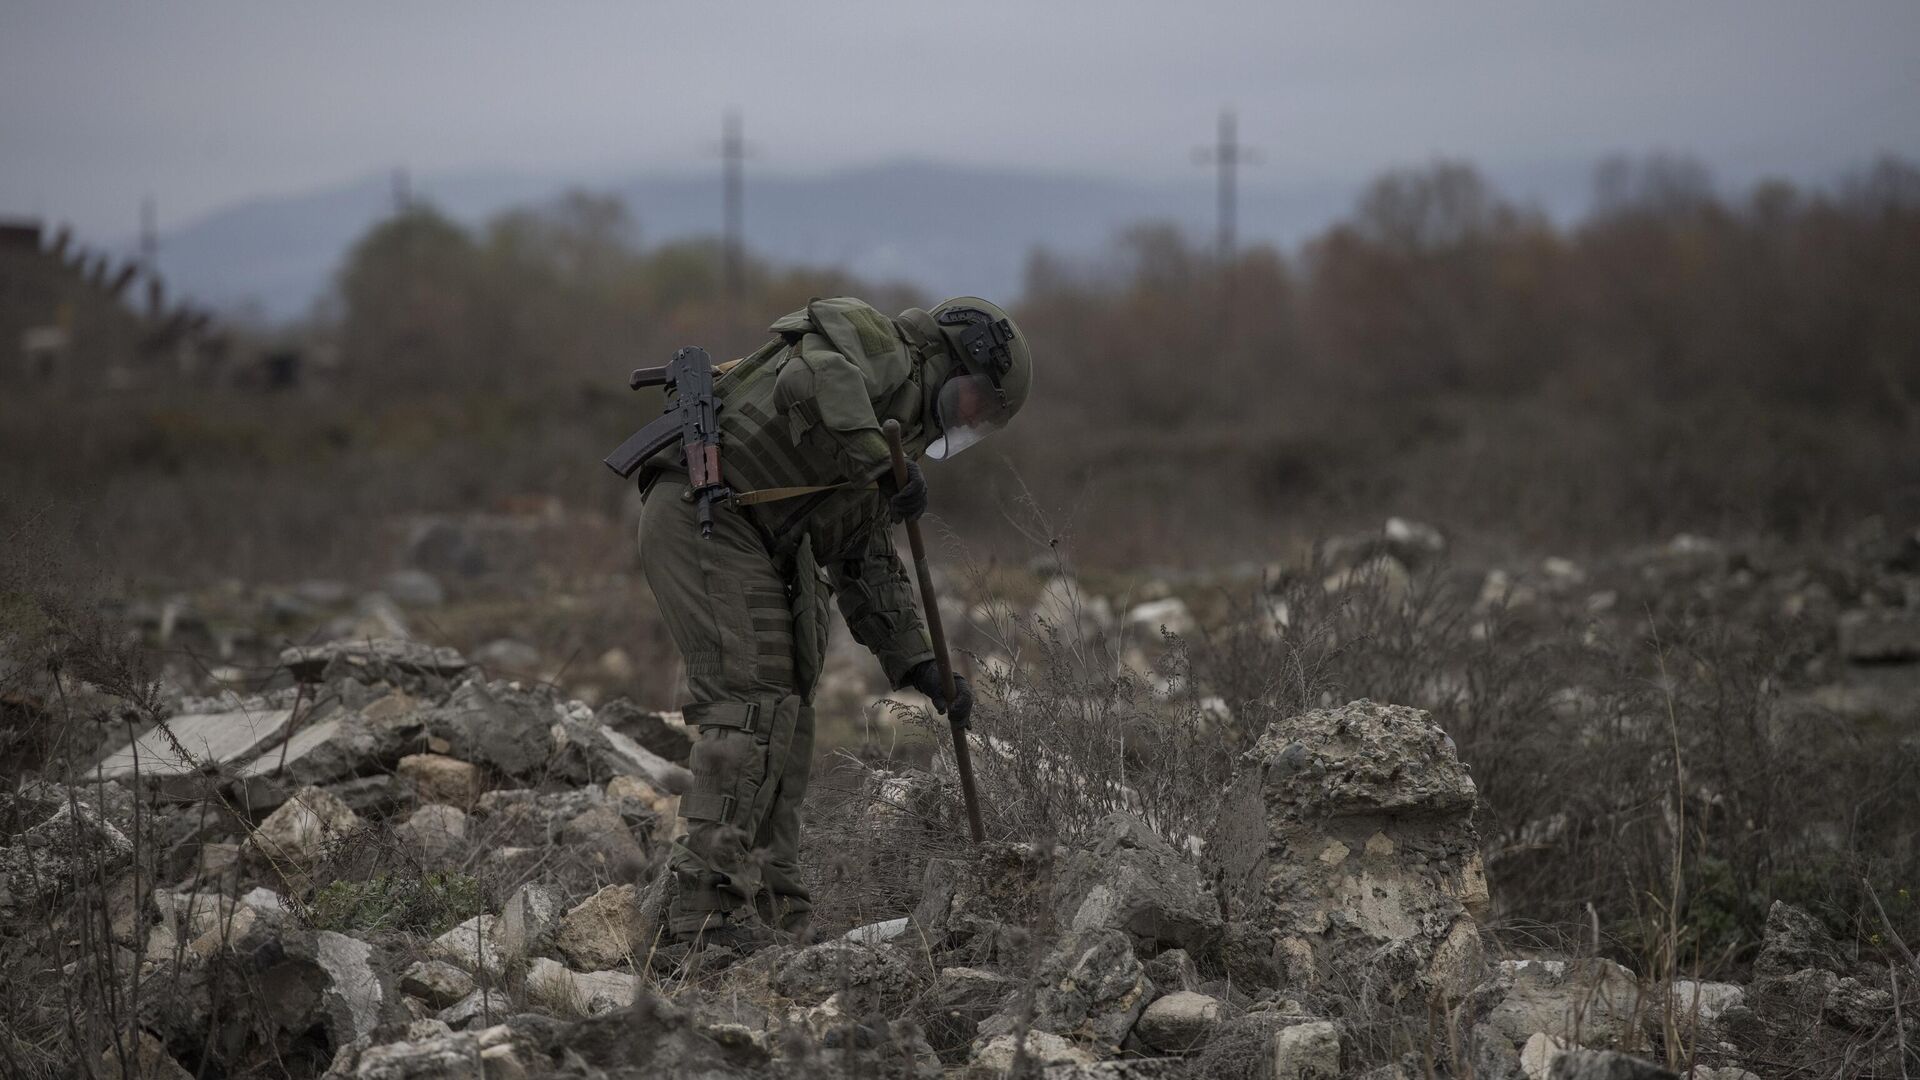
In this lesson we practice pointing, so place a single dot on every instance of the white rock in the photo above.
(1707, 1000)
(486, 1006)
(1562, 573)
(550, 985)
(598, 933)
(438, 778)
(528, 919)
(434, 830)
(1597, 1000)
(1308, 1051)
(472, 946)
(1170, 614)
(436, 982)
(1414, 536)
(571, 993)
(877, 933)
(1064, 604)
(1179, 1021)
(1538, 1056)
(995, 1056)
(620, 753)
(606, 991)
(354, 997)
(264, 899)
(1382, 572)
(300, 830)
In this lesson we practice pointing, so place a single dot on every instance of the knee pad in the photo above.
(734, 761)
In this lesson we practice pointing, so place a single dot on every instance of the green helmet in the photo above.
(990, 377)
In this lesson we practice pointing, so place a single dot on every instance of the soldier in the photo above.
(801, 443)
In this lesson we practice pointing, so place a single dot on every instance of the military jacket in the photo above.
(805, 410)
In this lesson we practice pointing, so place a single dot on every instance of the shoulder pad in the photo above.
(793, 322)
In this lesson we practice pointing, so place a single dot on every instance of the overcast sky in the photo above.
(208, 103)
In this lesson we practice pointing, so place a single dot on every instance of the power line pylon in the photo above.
(733, 273)
(1227, 154)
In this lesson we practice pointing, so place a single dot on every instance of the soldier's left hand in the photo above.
(909, 501)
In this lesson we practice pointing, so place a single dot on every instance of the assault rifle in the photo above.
(692, 418)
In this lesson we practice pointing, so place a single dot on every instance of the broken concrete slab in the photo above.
(666, 734)
(1352, 831)
(1133, 880)
(189, 744)
(355, 999)
(590, 752)
(372, 659)
(341, 745)
(500, 725)
(310, 741)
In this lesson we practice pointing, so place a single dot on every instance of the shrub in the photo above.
(429, 904)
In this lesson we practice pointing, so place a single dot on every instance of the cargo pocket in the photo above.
(772, 618)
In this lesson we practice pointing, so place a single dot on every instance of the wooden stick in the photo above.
(962, 758)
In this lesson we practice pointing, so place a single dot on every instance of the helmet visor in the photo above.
(968, 409)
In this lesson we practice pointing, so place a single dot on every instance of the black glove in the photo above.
(910, 501)
(925, 677)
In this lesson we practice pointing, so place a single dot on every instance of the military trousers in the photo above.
(751, 628)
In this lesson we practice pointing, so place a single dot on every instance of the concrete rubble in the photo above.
(1353, 831)
(428, 873)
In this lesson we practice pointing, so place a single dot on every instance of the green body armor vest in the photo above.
(784, 425)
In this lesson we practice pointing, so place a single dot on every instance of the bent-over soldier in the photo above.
(803, 451)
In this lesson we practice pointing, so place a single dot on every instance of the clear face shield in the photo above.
(968, 409)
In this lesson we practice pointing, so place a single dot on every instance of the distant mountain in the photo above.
(947, 228)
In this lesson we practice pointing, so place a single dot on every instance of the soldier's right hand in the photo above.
(925, 677)
(907, 502)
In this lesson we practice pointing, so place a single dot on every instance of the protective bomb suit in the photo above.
(800, 423)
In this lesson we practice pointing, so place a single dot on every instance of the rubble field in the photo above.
(389, 865)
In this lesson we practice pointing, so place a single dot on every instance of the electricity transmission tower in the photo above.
(149, 236)
(150, 253)
(1227, 154)
(733, 153)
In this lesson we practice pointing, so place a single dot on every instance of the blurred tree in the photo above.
(411, 291)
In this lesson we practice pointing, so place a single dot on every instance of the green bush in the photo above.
(430, 904)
